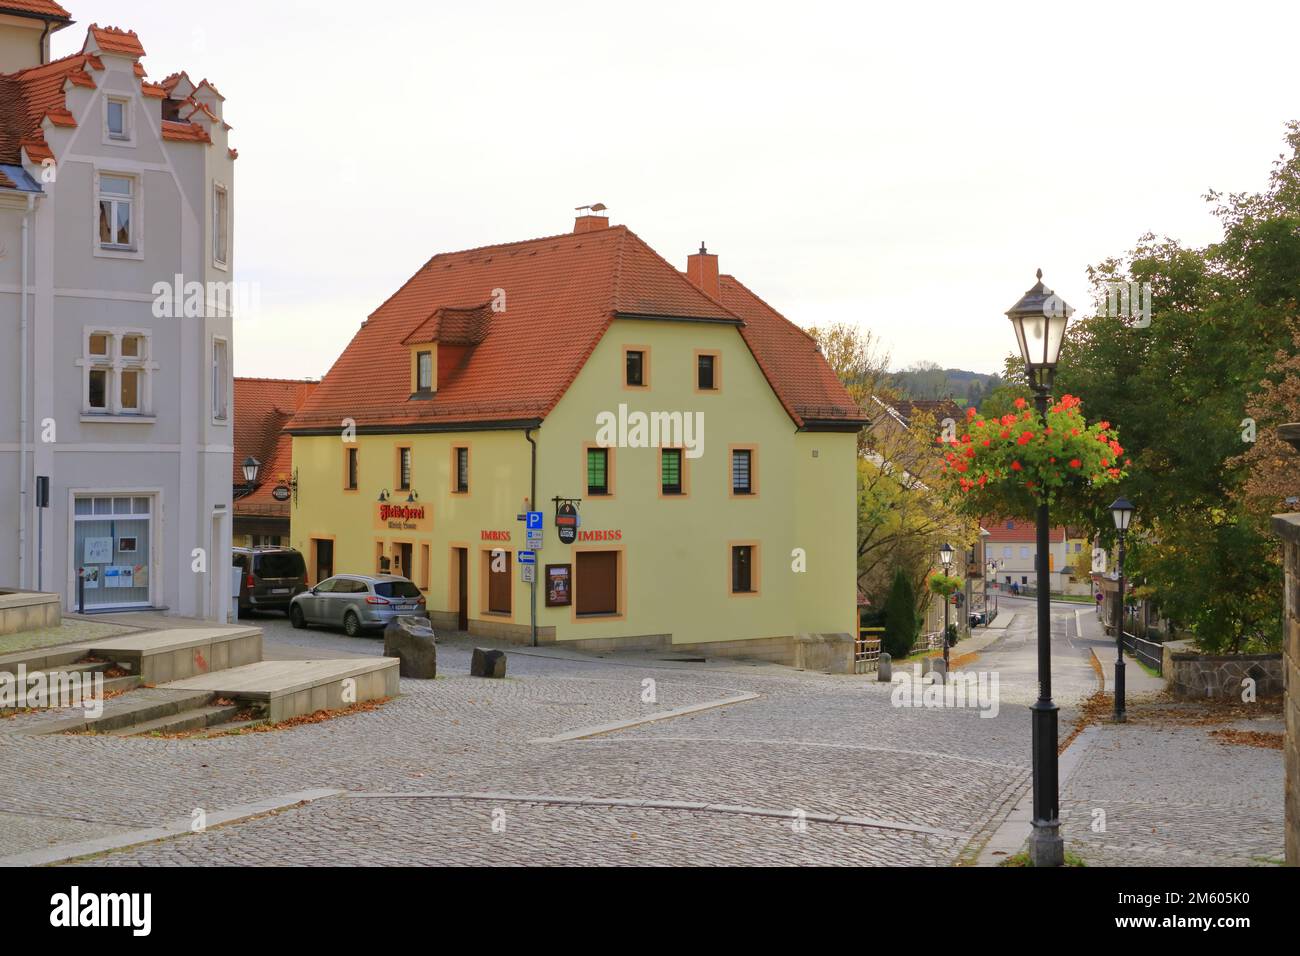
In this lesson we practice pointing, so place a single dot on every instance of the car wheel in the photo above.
(351, 624)
(296, 618)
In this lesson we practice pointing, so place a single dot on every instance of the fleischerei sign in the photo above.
(392, 516)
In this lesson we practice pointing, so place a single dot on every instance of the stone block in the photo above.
(486, 663)
(411, 641)
(885, 672)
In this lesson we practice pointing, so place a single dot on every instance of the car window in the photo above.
(327, 587)
(240, 561)
(397, 589)
(351, 586)
(281, 564)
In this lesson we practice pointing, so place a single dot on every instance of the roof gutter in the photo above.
(423, 428)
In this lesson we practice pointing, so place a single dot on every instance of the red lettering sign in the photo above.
(600, 535)
(496, 535)
(401, 512)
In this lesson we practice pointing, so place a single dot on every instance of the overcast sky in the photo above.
(905, 167)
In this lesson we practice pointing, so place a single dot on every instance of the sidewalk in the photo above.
(1137, 682)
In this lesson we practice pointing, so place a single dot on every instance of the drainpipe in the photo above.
(40, 53)
(22, 407)
(532, 503)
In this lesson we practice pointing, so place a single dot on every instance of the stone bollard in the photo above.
(937, 667)
(885, 671)
(411, 641)
(487, 663)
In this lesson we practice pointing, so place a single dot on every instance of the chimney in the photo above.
(702, 270)
(590, 218)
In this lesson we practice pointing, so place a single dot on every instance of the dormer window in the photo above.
(424, 371)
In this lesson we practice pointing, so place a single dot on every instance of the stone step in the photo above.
(296, 688)
(195, 719)
(138, 707)
(216, 730)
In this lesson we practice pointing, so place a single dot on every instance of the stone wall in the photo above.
(1194, 676)
(1288, 528)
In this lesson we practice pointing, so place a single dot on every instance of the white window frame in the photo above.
(219, 189)
(113, 364)
(220, 389)
(135, 250)
(128, 121)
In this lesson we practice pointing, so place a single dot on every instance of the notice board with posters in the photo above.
(559, 585)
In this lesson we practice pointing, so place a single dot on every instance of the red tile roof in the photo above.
(561, 295)
(789, 357)
(114, 40)
(1007, 531)
(262, 408)
(39, 8)
(28, 96)
(178, 132)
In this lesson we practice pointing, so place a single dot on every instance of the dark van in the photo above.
(271, 578)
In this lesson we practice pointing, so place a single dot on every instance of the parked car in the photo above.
(357, 602)
(272, 578)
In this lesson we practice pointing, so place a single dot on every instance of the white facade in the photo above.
(1017, 564)
(124, 407)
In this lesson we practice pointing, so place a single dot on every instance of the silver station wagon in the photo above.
(357, 602)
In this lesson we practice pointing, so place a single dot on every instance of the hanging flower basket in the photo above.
(1012, 464)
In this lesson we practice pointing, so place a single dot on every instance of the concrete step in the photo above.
(195, 719)
(138, 707)
(216, 730)
(295, 688)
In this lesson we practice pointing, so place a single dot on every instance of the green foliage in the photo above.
(927, 381)
(945, 585)
(901, 623)
(1182, 387)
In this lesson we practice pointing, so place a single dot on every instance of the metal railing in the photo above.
(866, 650)
(929, 642)
(1150, 653)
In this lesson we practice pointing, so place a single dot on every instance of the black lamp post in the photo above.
(1122, 512)
(945, 558)
(1039, 321)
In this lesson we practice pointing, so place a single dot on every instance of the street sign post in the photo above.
(528, 573)
(527, 557)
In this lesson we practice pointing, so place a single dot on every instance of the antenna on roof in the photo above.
(594, 208)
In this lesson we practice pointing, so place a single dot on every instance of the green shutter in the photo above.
(672, 471)
(596, 478)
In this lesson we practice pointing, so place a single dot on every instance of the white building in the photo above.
(112, 190)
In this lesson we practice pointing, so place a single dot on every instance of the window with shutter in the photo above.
(597, 471)
(671, 471)
(596, 582)
(742, 478)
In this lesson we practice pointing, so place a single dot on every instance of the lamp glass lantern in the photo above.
(945, 556)
(251, 467)
(1122, 512)
(1039, 320)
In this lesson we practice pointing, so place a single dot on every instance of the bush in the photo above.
(901, 623)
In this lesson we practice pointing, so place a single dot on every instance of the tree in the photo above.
(1182, 385)
(901, 624)
(857, 357)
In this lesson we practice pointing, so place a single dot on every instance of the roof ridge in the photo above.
(286, 381)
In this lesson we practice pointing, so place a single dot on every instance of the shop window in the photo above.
(598, 471)
(597, 583)
(112, 544)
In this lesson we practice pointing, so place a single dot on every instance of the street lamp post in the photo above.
(251, 467)
(945, 558)
(1122, 512)
(1039, 320)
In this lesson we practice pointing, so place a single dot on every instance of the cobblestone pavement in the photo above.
(1174, 796)
(809, 743)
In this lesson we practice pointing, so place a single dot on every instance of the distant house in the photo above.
(1013, 545)
(263, 406)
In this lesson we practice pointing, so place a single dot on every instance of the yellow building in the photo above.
(706, 446)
